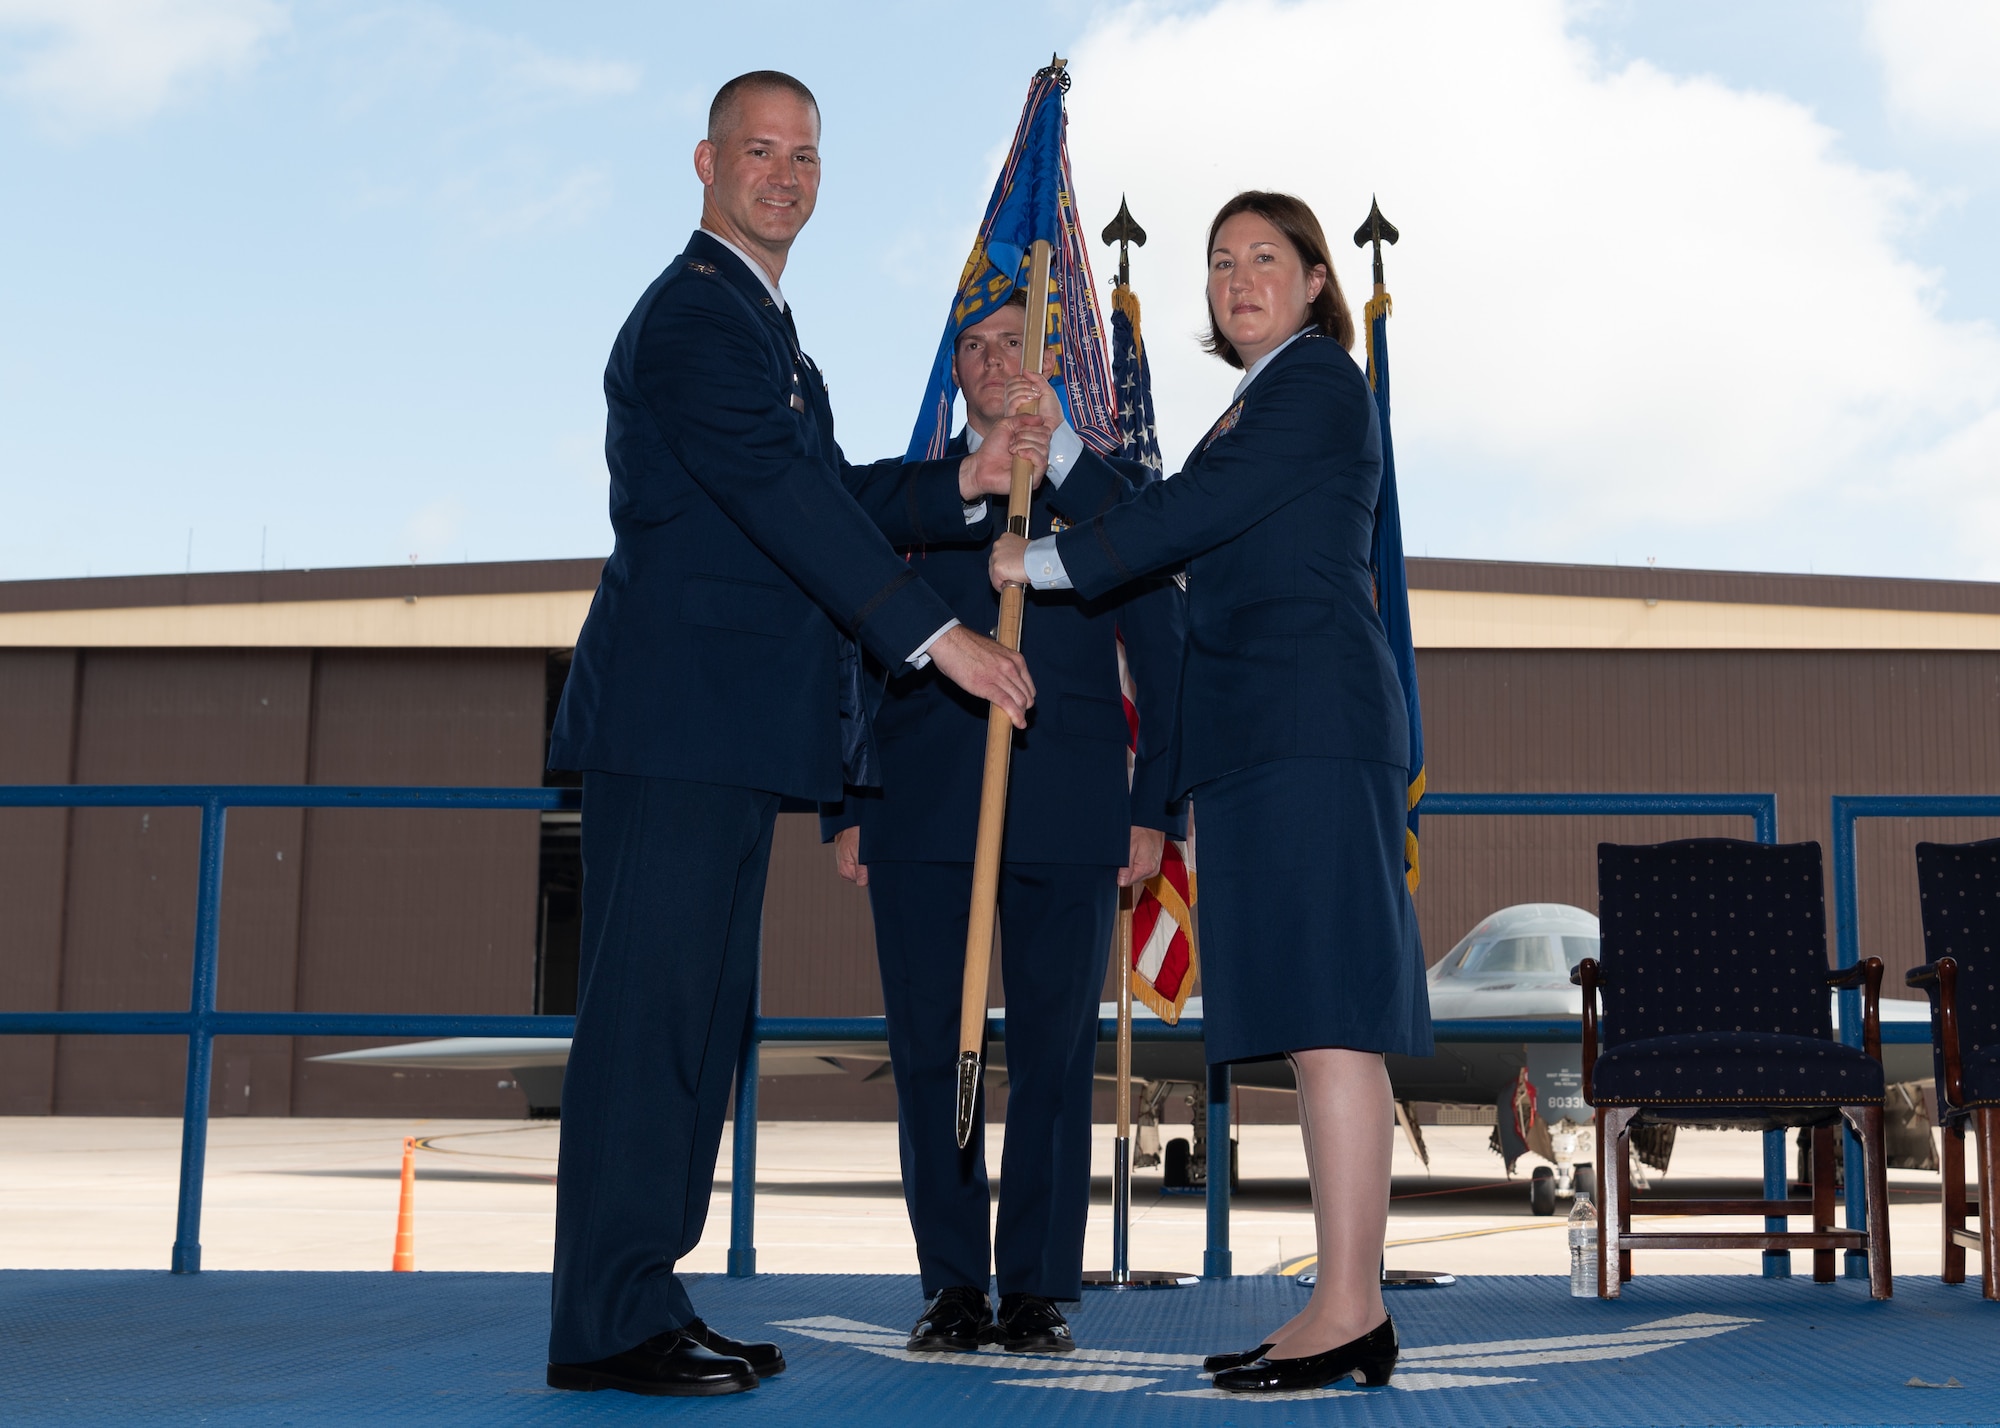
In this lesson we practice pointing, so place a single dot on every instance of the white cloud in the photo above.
(410, 49)
(86, 65)
(514, 195)
(1636, 313)
(1938, 62)
(433, 531)
(479, 100)
(533, 73)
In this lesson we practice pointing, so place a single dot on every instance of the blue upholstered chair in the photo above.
(1716, 1012)
(1960, 883)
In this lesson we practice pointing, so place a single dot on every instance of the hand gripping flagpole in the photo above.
(999, 746)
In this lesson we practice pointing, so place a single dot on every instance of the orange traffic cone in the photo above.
(406, 1231)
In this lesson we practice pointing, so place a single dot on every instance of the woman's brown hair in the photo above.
(1291, 217)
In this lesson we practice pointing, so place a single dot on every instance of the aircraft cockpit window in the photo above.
(1520, 955)
(1578, 948)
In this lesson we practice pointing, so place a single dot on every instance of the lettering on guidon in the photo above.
(1422, 1367)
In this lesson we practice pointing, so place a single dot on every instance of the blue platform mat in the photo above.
(131, 1347)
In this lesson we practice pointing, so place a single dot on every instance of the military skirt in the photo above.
(1308, 936)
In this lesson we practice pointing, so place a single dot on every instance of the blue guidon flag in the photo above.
(1392, 584)
(1033, 199)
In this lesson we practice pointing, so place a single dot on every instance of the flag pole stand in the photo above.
(1121, 1275)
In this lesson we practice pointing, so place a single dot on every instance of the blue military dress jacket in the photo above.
(745, 545)
(1068, 799)
(1273, 515)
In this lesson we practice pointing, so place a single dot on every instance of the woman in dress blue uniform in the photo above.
(1294, 748)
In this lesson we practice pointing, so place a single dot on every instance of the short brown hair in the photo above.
(1293, 218)
(1017, 298)
(721, 109)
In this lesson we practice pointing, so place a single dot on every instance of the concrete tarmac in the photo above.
(98, 1193)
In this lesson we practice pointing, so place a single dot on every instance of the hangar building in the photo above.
(1534, 678)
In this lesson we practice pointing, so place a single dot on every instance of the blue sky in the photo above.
(333, 284)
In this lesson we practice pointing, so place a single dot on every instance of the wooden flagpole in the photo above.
(999, 747)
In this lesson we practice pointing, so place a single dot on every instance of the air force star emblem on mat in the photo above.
(1423, 1367)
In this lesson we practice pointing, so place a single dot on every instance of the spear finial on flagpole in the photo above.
(1377, 230)
(1057, 66)
(1124, 230)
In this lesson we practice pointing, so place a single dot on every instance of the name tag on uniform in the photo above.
(798, 402)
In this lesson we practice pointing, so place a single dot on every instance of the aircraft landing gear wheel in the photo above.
(1584, 1178)
(1542, 1191)
(1175, 1171)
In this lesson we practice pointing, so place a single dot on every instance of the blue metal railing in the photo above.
(1760, 808)
(201, 1023)
(1847, 810)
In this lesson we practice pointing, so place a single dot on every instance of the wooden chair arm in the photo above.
(1940, 980)
(1868, 972)
(1587, 974)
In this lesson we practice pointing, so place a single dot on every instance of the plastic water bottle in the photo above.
(1583, 1250)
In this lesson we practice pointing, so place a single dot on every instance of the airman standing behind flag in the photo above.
(1076, 829)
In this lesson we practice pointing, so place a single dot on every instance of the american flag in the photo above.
(1163, 938)
(1132, 379)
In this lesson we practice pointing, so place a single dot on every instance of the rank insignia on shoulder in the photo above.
(798, 402)
(1224, 424)
(700, 267)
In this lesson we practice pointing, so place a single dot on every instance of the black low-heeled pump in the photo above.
(1370, 1360)
(1216, 1363)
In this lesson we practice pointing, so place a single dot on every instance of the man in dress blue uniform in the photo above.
(711, 678)
(1076, 832)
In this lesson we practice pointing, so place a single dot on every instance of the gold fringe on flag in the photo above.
(1413, 873)
(1378, 306)
(1124, 300)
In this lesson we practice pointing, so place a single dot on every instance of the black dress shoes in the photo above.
(1216, 1363)
(1370, 1359)
(1030, 1324)
(765, 1360)
(674, 1364)
(954, 1323)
